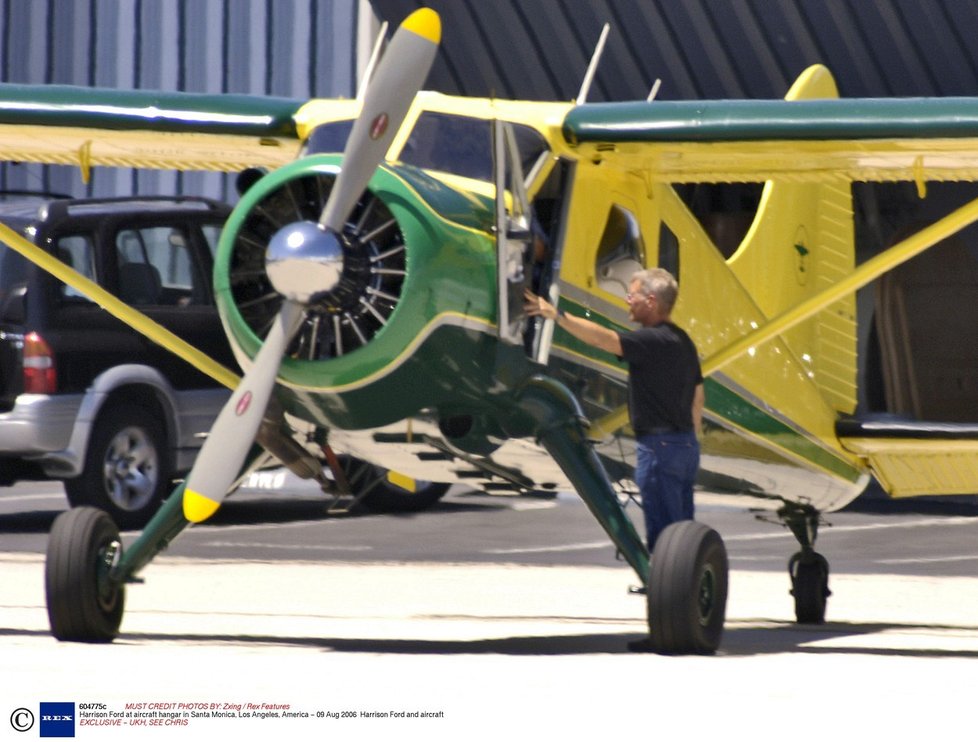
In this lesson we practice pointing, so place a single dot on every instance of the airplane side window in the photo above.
(531, 146)
(621, 251)
(328, 138)
(669, 251)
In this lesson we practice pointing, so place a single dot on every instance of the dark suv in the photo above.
(83, 397)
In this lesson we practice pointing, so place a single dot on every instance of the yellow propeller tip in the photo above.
(197, 508)
(425, 23)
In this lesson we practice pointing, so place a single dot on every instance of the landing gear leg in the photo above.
(687, 582)
(809, 570)
(86, 569)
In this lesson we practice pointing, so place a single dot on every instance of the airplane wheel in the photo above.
(385, 496)
(84, 605)
(687, 590)
(809, 586)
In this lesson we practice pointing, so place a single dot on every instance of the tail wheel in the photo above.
(687, 590)
(374, 268)
(84, 603)
(809, 586)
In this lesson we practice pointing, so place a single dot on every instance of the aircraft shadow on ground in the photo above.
(741, 639)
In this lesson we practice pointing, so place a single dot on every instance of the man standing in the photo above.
(665, 393)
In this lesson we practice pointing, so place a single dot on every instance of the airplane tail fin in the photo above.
(800, 242)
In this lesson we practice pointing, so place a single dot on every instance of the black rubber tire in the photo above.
(127, 469)
(687, 590)
(385, 496)
(810, 587)
(83, 604)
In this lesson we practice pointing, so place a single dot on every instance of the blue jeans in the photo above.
(665, 472)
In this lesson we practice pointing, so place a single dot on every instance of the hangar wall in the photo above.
(701, 49)
(292, 48)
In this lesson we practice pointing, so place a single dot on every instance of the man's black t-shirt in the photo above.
(663, 372)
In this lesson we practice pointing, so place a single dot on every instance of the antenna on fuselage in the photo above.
(655, 90)
(368, 72)
(593, 66)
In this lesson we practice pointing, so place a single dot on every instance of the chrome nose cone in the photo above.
(304, 259)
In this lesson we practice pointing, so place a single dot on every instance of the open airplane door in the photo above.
(513, 235)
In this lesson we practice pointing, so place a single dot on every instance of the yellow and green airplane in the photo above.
(371, 284)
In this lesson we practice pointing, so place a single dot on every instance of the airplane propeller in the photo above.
(305, 258)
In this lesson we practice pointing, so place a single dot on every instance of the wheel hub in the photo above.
(706, 594)
(130, 470)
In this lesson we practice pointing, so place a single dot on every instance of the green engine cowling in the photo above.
(409, 326)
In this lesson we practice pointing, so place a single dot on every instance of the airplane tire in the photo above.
(83, 604)
(387, 497)
(384, 496)
(810, 587)
(687, 590)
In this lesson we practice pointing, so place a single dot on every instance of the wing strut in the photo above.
(863, 275)
(593, 66)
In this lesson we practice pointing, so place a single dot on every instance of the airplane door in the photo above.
(513, 235)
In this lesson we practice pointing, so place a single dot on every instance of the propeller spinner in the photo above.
(306, 258)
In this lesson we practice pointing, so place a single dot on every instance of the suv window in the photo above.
(13, 270)
(156, 268)
(77, 252)
(212, 233)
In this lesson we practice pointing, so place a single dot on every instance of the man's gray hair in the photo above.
(659, 283)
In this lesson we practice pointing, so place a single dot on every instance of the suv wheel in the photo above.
(126, 470)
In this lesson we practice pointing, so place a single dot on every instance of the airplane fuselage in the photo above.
(424, 364)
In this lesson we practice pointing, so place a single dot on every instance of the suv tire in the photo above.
(126, 472)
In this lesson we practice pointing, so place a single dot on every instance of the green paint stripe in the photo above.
(759, 120)
(723, 403)
(727, 404)
(103, 108)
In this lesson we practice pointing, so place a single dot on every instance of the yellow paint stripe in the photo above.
(118, 308)
(197, 508)
(425, 23)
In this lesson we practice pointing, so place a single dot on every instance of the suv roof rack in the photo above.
(59, 208)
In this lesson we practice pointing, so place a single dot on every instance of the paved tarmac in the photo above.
(480, 651)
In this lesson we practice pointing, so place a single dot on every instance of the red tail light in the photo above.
(40, 376)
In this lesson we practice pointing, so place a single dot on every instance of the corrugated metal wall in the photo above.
(293, 48)
(539, 49)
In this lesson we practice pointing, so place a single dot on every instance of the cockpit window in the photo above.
(329, 138)
(459, 145)
(450, 144)
(621, 251)
(462, 145)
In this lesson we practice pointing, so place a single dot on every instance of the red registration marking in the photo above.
(378, 126)
(243, 404)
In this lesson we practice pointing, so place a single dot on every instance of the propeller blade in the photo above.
(389, 94)
(399, 76)
(219, 462)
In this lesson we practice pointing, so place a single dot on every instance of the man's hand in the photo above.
(537, 306)
(583, 329)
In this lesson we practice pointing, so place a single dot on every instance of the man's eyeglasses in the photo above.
(629, 296)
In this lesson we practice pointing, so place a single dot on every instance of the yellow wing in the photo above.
(89, 127)
(821, 140)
